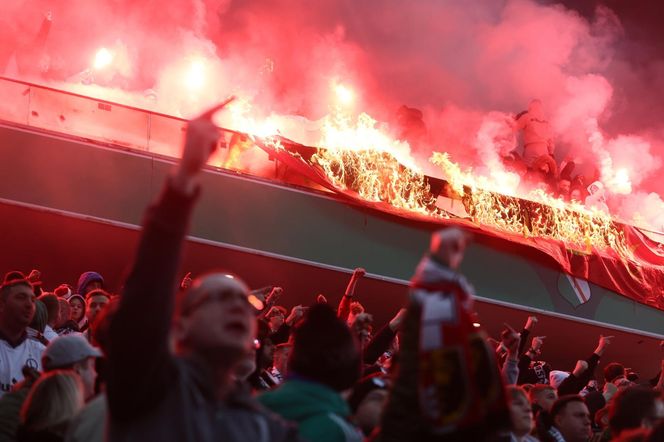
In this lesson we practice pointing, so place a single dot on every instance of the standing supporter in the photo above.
(77, 304)
(542, 397)
(571, 420)
(261, 379)
(282, 334)
(367, 401)
(325, 360)
(73, 353)
(348, 307)
(584, 370)
(155, 394)
(66, 325)
(279, 368)
(52, 402)
(38, 324)
(447, 385)
(17, 310)
(96, 301)
(89, 281)
(521, 415)
(52, 304)
(635, 407)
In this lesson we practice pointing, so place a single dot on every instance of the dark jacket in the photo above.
(152, 394)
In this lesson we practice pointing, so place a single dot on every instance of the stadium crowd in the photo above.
(215, 360)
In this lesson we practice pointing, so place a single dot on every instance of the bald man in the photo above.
(188, 394)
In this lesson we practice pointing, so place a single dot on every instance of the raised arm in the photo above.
(344, 305)
(140, 364)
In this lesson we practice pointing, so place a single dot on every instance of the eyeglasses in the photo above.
(222, 296)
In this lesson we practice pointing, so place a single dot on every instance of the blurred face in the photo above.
(216, 318)
(576, 195)
(370, 409)
(574, 422)
(65, 312)
(95, 305)
(86, 370)
(17, 307)
(522, 415)
(77, 310)
(564, 186)
(276, 321)
(545, 399)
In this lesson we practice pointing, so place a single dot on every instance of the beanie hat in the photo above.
(556, 377)
(363, 387)
(324, 350)
(85, 279)
(63, 291)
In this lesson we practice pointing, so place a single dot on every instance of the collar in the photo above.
(16, 343)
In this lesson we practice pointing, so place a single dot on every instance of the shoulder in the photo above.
(329, 427)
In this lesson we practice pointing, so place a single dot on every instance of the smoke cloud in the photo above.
(466, 65)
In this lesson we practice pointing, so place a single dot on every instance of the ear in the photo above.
(179, 328)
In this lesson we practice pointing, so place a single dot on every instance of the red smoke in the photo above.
(456, 61)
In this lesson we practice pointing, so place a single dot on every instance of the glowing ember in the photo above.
(195, 75)
(345, 95)
(103, 58)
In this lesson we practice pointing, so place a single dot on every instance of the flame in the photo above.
(541, 215)
(360, 157)
(195, 76)
(344, 95)
(103, 58)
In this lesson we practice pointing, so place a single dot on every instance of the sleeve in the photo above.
(525, 334)
(344, 307)
(140, 365)
(524, 367)
(379, 344)
(510, 371)
(573, 384)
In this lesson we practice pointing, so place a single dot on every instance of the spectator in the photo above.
(89, 281)
(614, 373)
(521, 414)
(190, 396)
(52, 304)
(96, 301)
(276, 317)
(73, 353)
(261, 379)
(90, 424)
(324, 361)
(11, 403)
(635, 407)
(367, 400)
(537, 136)
(571, 420)
(279, 368)
(435, 391)
(17, 309)
(38, 324)
(52, 402)
(542, 397)
(78, 313)
(348, 307)
(66, 325)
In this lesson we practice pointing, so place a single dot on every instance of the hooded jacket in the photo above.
(321, 412)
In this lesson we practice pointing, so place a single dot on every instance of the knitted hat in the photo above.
(324, 350)
(85, 279)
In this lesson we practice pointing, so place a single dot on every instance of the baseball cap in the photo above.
(67, 350)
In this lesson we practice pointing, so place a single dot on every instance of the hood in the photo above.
(85, 279)
(299, 400)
